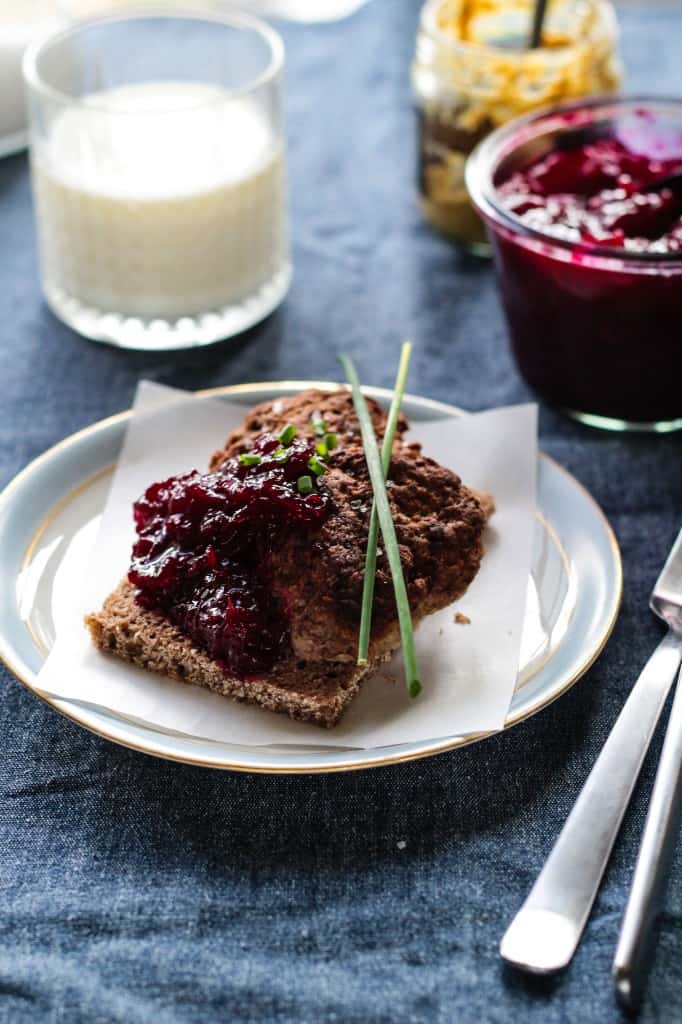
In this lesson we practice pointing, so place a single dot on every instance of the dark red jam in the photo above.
(597, 331)
(201, 558)
(598, 194)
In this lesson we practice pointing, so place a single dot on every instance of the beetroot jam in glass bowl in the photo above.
(588, 255)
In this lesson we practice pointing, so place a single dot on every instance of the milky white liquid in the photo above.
(161, 200)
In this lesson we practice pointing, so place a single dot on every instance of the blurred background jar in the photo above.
(473, 71)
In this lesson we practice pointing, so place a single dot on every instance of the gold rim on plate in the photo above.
(304, 769)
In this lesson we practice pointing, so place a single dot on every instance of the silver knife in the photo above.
(545, 933)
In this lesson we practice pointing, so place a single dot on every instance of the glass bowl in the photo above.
(595, 330)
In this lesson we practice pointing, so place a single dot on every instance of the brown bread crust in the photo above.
(311, 692)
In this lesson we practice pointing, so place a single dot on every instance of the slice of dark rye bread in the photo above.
(310, 691)
(439, 527)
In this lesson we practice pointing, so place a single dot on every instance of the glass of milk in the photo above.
(157, 157)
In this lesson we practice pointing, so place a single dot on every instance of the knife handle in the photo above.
(545, 933)
(651, 873)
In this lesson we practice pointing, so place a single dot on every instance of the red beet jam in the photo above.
(202, 554)
(596, 194)
(589, 262)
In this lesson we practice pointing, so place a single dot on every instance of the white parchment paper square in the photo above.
(468, 671)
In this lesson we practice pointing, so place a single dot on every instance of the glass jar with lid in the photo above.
(473, 71)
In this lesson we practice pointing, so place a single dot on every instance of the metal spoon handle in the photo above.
(545, 933)
(539, 11)
(655, 854)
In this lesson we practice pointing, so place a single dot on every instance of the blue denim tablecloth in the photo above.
(135, 890)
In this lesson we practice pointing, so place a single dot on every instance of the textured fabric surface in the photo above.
(137, 890)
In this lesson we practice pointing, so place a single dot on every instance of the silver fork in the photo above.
(545, 933)
(660, 831)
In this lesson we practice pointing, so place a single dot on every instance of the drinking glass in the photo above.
(157, 157)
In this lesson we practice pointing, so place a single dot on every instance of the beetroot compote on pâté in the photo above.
(201, 558)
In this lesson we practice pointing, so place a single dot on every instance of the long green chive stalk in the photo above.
(378, 467)
(373, 536)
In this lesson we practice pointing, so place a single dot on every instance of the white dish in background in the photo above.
(49, 516)
(21, 21)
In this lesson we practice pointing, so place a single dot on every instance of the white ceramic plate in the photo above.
(49, 516)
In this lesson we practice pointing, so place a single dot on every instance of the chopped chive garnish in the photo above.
(288, 434)
(320, 427)
(305, 485)
(321, 449)
(331, 441)
(248, 459)
(381, 511)
(281, 455)
(318, 467)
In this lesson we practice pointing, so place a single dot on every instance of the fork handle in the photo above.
(655, 854)
(545, 933)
